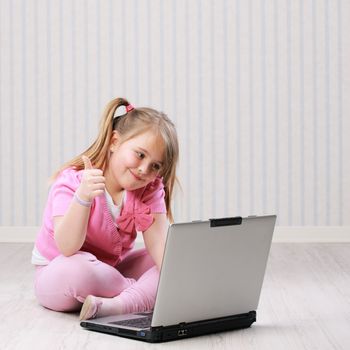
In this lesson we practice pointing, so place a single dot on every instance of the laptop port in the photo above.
(182, 332)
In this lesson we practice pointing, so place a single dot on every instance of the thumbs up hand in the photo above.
(92, 182)
(87, 162)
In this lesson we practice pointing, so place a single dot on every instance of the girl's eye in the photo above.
(140, 155)
(156, 167)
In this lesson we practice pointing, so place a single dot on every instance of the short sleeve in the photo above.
(153, 196)
(63, 189)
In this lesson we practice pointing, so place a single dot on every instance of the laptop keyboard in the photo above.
(142, 322)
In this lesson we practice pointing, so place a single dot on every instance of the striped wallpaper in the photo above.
(258, 89)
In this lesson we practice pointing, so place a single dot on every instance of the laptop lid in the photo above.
(212, 269)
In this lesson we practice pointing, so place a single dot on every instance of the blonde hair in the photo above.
(132, 124)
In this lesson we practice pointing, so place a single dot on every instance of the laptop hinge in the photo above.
(237, 220)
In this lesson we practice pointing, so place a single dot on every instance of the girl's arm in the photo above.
(155, 237)
(70, 229)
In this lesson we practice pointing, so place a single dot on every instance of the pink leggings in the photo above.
(65, 282)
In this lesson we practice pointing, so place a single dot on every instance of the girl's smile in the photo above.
(136, 177)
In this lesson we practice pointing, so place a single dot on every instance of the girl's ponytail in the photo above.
(98, 151)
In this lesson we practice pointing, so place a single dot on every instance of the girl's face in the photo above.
(134, 163)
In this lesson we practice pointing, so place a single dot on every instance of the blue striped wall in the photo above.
(257, 88)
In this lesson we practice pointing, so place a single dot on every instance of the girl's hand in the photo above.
(92, 182)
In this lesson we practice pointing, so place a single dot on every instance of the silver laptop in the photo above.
(210, 281)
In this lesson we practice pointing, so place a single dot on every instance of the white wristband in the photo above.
(81, 201)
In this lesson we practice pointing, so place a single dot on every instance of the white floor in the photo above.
(305, 304)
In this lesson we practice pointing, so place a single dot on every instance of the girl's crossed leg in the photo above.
(65, 283)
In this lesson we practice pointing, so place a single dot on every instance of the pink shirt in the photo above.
(107, 239)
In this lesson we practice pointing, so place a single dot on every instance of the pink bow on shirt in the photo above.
(139, 218)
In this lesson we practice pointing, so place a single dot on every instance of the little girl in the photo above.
(122, 184)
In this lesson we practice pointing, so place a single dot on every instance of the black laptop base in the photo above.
(180, 331)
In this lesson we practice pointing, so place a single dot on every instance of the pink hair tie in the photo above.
(122, 110)
(129, 108)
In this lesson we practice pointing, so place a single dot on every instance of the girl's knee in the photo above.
(59, 285)
(77, 270)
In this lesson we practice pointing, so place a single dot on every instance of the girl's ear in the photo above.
(115, 139)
